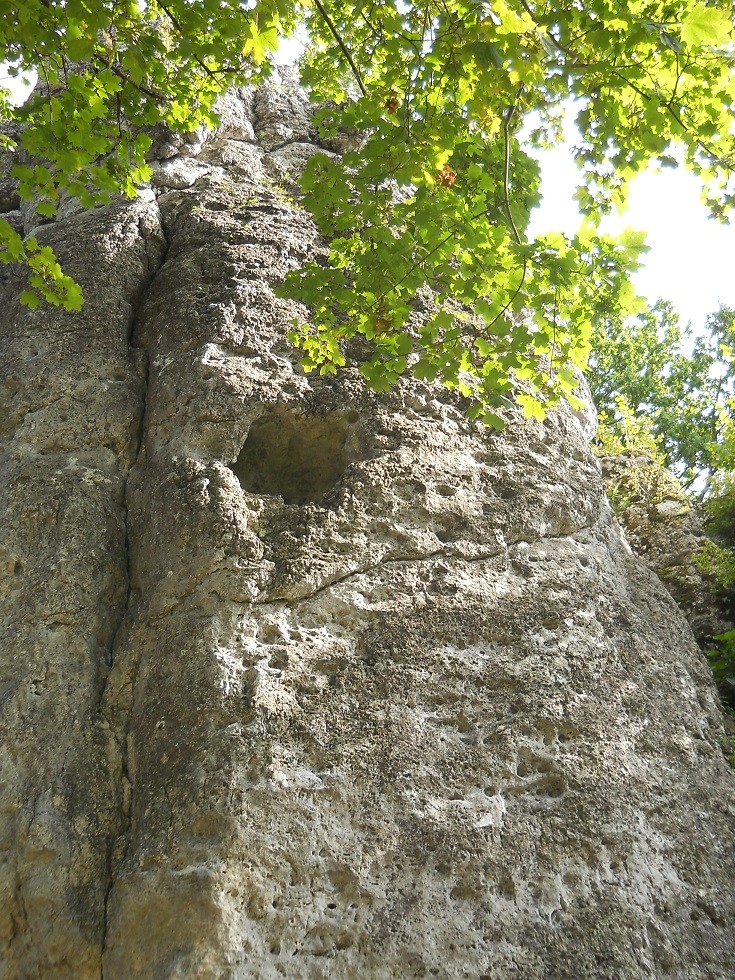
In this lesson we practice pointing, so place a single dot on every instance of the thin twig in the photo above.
(205, 68)
(511, 300)
(506, 175)
(342, 46)
(121, 73)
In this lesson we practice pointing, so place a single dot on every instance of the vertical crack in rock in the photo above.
(70, 404)
(116, 854)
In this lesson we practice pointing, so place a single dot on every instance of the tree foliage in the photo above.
(652, 379)
(454, 97)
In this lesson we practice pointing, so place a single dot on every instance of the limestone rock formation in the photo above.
(666, 530)
(300, 681)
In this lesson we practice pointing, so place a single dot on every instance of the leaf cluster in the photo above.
(108, 71)
(452, 97)
(439, 195)
(722, 661)
(649, 372)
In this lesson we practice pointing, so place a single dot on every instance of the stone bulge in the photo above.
(301, 681)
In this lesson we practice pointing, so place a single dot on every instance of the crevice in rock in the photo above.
(156, 259)
(382, 563)
(289, 142)
(509, 548)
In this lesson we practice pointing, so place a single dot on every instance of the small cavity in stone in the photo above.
(297, 457)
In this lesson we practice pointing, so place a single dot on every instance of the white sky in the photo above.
(691, 259)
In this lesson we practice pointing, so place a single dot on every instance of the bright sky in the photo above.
(692, 257)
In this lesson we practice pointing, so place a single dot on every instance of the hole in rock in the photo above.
(297, 457)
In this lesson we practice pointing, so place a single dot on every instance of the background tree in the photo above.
(651, 367)
(439, 193)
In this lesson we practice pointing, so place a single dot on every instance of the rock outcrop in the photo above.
(666, 530)
(301, 681)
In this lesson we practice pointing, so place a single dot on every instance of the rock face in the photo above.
(666, 531)
(299, 681)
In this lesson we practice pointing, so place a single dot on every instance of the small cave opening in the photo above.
(297, 457)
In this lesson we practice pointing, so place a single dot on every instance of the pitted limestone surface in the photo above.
(71, 406)
(413, 712)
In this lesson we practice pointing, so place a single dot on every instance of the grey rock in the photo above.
(14, 219)
(301, 681)
(178, 172)
(289, 161)
(167, 143)
(235, 156)
(236, 111)
(666, 530)
(282, 112)
(9, 197)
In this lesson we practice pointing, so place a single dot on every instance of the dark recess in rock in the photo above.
(297, 457)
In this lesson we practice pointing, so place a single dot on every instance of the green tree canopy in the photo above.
(454, 97)
(652, 370)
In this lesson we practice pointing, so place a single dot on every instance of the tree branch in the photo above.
(177, 25)
(506, 175)
(342, 46)
(121, 73)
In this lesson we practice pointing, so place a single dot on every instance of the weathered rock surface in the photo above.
(665, 529)
(298, 681)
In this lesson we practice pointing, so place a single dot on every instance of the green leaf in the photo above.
(706, 26)
(425, 370)
(30, 298)
(532, 406)
(669, 41)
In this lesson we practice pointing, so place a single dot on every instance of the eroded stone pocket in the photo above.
(297, 457)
